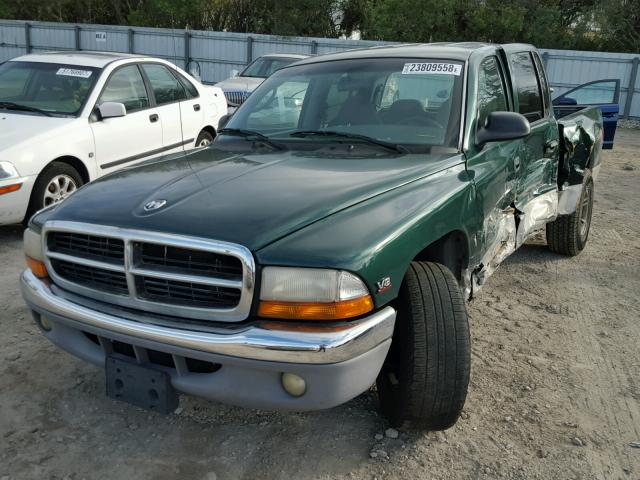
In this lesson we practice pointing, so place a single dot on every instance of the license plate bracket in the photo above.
(140, 385)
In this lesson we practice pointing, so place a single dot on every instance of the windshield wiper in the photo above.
(26, 108)
(251, 135)
(355, 136)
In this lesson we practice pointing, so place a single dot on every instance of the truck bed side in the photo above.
(581, 144)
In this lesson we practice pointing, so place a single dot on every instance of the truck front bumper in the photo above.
(337, 363)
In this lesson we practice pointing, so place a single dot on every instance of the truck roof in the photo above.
(85, 58)
(450, 50)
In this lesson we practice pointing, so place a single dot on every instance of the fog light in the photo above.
(44, 322)
(293, 384)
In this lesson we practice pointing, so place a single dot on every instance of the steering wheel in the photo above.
(420, 120)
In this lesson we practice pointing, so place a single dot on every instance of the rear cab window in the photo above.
(527, 86)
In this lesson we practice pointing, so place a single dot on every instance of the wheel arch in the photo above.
(76, 163)
(450, 250)
(209, 129)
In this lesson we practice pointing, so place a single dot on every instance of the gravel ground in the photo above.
(555, 389)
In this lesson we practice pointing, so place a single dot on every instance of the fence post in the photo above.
(77, 36)
(314, 47)
(187, 49)
(130, 38)
(632, 86)
(27, 37)
(249, 49)
(545, 60)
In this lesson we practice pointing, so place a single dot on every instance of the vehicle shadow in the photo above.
(11, 239)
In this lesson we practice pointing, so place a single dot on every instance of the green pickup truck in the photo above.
(327, 240)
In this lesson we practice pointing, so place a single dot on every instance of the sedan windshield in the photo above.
(47, 88)
(411, 105)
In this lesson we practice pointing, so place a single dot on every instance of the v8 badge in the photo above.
(384, 284)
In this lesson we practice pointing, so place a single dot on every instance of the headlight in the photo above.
(7, 170)
(312, 294)
(34, 254)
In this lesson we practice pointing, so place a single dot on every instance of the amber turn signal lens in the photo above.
(10, 188)
(37, 267)
(316, 310)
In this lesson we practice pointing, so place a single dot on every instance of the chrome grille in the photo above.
(168, 274)
(90, 246)
(185, 293)
(236, 98)
(93, 277)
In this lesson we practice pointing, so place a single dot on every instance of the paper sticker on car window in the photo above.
(431, 68)
(72, 72)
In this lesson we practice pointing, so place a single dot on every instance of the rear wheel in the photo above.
(204, 139)
(56, 182)
(568, 234)
(425, 378)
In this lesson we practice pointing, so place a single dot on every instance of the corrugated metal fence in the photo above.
(216, 54)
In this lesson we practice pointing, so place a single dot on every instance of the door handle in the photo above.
(196, 107)
(153, 118)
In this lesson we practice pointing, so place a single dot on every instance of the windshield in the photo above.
(407, 102)
(263, 67)
(50, 87)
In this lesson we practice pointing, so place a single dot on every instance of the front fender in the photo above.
(379, 238)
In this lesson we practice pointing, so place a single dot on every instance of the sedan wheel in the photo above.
(59, 188)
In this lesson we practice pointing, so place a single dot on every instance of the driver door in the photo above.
(123, 141)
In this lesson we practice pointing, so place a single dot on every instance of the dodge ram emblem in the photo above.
(154, 205)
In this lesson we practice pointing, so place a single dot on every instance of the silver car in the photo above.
(238, 87)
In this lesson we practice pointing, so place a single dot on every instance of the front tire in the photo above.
(568, 235)
(56, 182)
(425, 378)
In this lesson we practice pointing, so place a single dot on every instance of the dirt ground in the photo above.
(555, 388)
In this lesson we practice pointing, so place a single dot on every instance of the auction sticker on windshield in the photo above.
(431, 68)
(72, 72)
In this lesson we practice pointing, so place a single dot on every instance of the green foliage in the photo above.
(571, 24)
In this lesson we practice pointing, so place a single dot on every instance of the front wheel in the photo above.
(56, 182)
(568, 234)
(425, 378)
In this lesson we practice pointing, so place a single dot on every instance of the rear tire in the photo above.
(204, 139)
(425, 378)
(56, 182)
(568, 235)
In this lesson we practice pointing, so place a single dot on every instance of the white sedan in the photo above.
(68, 118)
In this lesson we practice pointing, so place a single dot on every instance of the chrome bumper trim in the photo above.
(251, 342)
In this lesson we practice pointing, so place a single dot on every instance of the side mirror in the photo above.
(112, 110)
(503, 126)
(223, 121)
(234, 72)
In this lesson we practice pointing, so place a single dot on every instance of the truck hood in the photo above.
(240, 84)
(250, 199)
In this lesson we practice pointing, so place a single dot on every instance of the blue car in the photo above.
(602, 93)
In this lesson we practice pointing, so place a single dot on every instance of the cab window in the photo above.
(491, 91)
(192, 91)
(165, 86)
(127, 87)
(527, 86)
